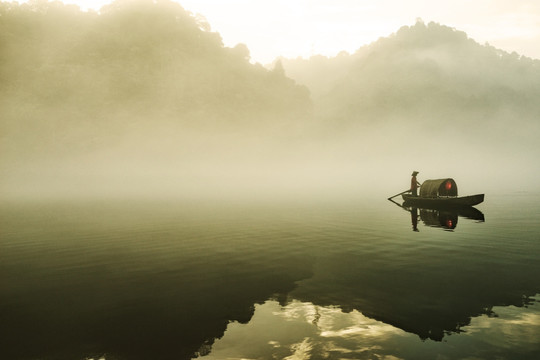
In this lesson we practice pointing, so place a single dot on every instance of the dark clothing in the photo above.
(414, 186)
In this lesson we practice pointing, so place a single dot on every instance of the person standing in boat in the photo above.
(414, 184)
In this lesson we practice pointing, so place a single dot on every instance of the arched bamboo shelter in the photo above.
(439, 188)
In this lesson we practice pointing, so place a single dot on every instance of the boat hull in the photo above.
(444, 201)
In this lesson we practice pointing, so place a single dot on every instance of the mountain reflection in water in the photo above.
(170, 281)
(307, 331)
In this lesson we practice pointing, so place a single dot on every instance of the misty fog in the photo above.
(144, 100)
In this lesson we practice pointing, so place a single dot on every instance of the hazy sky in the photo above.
(292, 28)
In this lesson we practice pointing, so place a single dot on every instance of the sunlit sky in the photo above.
(293, 28)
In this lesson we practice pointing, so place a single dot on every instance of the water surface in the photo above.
(283, 279)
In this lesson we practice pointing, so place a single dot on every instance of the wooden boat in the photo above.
(470, 200)
(441, 192)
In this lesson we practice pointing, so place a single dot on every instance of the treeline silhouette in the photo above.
(70, 76)
(426, 74)
(145, 87)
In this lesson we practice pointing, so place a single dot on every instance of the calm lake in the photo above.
(270, 280)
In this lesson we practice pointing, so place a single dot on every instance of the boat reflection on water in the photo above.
(440, 217)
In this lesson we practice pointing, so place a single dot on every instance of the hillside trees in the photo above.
(68, 76)
(422, 73)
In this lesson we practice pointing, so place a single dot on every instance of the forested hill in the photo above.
(144, 97)
(136, 61)
(428, 72)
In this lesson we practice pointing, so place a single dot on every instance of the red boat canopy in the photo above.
(439, 187)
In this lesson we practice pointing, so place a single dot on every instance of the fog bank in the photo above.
(144, 101)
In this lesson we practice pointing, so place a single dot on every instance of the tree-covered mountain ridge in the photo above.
(139, 71)
(143, 92)
(424, 70)
(139, 59)
(134, 58)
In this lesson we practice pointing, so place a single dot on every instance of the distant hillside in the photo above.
(422, 73)
(70, 79)
(143, 98)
